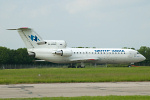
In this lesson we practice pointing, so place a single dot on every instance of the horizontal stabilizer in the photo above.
(22, 28)
(11, 29)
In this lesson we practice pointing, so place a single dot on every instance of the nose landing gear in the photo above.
(81, 66)
(71, 66)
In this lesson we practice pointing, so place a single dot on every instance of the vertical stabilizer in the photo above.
(30, 37)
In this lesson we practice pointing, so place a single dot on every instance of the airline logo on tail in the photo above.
(34, 38)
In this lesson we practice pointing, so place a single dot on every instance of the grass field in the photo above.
(64, 75)
(88, 98)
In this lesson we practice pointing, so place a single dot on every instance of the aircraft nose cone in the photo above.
(143, 58)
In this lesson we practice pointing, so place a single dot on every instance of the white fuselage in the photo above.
(94, 55)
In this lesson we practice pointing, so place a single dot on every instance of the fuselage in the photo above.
(93, 55)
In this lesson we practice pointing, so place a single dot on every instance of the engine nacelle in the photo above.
(64, 52)
(31, 54)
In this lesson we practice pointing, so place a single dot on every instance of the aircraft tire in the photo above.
(83, 67)
(129, 65)
(73, 66)
(79, 66)
(69, 66)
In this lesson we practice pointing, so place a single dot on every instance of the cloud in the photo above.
(36, 12)
(145, 25)
(26, 10)
(76, 6)
(7, 10)
(80, 17)
(111, 3)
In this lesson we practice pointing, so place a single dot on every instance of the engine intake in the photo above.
(64, 52)
(31, 54)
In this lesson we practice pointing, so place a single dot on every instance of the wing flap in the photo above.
(84, 59)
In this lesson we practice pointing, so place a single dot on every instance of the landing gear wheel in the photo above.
(71, 66)
(79, 66)
(82, 66)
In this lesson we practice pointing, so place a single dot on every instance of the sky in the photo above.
(81, 23)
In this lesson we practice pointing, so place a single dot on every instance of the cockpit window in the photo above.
(138, 53)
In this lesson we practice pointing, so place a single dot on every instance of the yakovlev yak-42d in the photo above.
(56, 51)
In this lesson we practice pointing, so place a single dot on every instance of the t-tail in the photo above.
(30, 37)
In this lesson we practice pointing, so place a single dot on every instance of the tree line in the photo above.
(20, 56)
(11, 56)
(145, 51)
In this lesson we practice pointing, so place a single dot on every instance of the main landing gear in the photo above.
(71, 66)
(79, 66)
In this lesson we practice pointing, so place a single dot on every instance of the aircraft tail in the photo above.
(30, 37)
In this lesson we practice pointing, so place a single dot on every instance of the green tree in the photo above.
(12, 56)
(19, 56)
(145, 51)
(4, 55)
(22, 56)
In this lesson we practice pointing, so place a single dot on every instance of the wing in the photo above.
(84, 59)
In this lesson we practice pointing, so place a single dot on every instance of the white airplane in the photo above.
(56, 51)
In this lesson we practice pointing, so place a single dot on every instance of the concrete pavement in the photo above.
(74, 89)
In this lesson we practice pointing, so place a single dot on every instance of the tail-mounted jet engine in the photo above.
(31, 54)
(63, 52)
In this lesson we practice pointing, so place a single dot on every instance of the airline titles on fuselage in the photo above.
(110, 51)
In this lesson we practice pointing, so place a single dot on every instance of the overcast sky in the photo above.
(86, 23)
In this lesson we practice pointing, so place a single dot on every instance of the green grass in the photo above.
(64, 75)
(88, 98)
